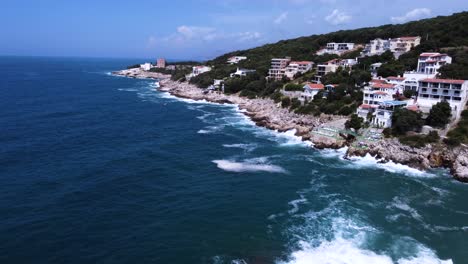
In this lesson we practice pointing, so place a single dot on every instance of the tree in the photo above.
(408, 93)
(285, 102)
(355, 122)
(440, 114)
(404, 120)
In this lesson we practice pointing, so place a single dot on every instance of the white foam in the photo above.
(295, 204)
(369, 161)
(402, 205)
(246, 147)
(233, 166)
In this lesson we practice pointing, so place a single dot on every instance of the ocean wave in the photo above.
(403, 205)
(233, 166)
(369, 161)
(246, 147)
(295, 204)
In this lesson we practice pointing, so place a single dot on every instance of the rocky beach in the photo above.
(266, 113)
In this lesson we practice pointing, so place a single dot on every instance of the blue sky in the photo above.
(197, 29)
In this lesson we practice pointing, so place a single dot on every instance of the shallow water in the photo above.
(97, 168)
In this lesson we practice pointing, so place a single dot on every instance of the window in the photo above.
(424, 84)
(424, 89)
(434, 90)
(446, 85)
(447, 98)
(456, 86)
(446, 91)
(434, 85)
(456, 98)
(436, 96)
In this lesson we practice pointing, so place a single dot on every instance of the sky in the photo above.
(196, 29)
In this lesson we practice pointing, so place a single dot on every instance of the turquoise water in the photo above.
(103, 169)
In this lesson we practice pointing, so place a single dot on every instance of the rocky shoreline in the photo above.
(266, 113)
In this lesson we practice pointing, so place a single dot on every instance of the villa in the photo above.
(336, 48)
(241, 72)
(236, 59)
(310, 90)
(197, 70)
(296, 67)
(397, 46)
(431, 62)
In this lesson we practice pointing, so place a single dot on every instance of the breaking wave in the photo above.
(233, 166)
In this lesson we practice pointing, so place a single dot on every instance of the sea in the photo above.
(96, 168)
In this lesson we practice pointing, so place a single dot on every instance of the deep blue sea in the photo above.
(102, 169)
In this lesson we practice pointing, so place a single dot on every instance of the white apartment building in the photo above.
(197, 70)
(430, 62)
(278, 68)
(336, 48)
(378, 93)
(431, 91)
(376, 47)
(241, 72)
(296, 67)
(236, 59)
(145, 66)
(396, 45)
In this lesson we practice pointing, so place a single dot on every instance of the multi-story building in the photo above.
(310, 90)
(296, 67)
(332, 66)
(197, 70)
(403, 44)
(376, 47)
(236, 59)
(431, 91)
(336, 48)
(278, 68)
(430, 62)
(161, 63)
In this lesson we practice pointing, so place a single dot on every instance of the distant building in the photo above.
(197, 70)
(278, 68)
(145, 66)
(310, 90)
(331, 66)
(336, 48)
(374, 68)
(236, 59)
(431, 62)
(161, 63)
(397, 46)
(296, 67)
(241, 72)
(170, 67)
(431, 91)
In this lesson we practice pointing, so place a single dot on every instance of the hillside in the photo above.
(439, 32)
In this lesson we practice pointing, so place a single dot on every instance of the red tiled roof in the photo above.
(396, 78)
(451, 81)
(383, 85)
(315, 86)
(380, 93)
(414, 108)
(429, 54)
(377, 81)
(366, 106)
(301, 62)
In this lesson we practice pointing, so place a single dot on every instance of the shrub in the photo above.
(354, 122)
(295, 103)
(440, 114)
(293, 87)
(285, 102)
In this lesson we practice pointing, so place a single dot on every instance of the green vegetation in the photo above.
(460, 133)
(440, 114)
(133, 66)
(420, 141)
(355, 122)
(404, 121)
(459, 67)
(293, 87)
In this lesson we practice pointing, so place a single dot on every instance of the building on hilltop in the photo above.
(431, 62)
(236, 59)
(397, 46)
(332, 66)
(197, 70)
(161, 63)
(146, 66)
(432, 91)
(278, 68)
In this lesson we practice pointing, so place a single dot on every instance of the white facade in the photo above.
(197, 70)
(236, 59)
(377, 93)
(430, 63)
(412, 79)
(145, 66)
(311, 90)
(336, 48)
(433, 91)
(396, 45)
(296, 67)
(278, 68)
(242, 72)
(374, 68)
(376, 47)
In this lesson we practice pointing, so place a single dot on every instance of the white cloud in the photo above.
(338, 17)
(412, 15)
(281, 18)
(192, 32)
(248, 36)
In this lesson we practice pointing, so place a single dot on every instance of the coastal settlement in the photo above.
(349, 100)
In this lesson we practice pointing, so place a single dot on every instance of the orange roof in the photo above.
(429, 54)
(366, 106)
(314, 86)
(413, 108)
(380, 93)
(301, 62)
(429, 80)
(377, 81)
(396, 78)
(383, 85)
